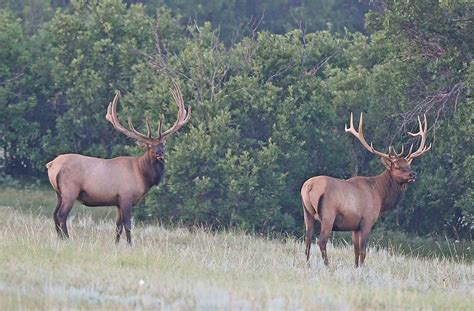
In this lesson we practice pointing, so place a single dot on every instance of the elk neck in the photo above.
(389, 190)
(151, 169)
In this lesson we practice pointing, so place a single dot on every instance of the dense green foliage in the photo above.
(268, 110)
(236, 18)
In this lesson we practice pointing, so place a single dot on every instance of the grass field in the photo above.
(181, 269)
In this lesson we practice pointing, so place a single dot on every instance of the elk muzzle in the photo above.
(412, 177)
(159, 152)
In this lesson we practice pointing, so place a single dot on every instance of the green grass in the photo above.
(199, 269)
(400, 243)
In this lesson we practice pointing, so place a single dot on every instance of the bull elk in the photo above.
(120, 181)
(355, 204)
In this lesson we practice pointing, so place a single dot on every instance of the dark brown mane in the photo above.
(151, 169)
(391, 191)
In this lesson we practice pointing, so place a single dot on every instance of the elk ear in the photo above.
(386, 162)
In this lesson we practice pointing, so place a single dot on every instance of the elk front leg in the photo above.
(118, 224)
(127, 221)
(355, 242)
(363, 239)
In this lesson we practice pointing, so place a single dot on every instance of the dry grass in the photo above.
(197, 269)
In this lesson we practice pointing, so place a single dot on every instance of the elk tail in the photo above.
(53, 175)
(311, 198)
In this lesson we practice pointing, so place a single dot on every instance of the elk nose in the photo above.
(413, 175)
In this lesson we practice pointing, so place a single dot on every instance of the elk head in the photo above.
(396, 163)
(155, 146)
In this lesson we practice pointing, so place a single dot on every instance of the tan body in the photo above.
(356, 201)
(101, 180)
(347, 205)
(120, 182)
(356, 204)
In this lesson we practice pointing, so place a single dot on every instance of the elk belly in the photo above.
(97, 199)
(348, 215)
(346, 222)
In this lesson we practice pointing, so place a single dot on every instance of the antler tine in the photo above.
(423, 131)
(391, 149)
(360, 136)
(178, 97)
(132, 128)
(160, 126)
(409, 151)
(351, 123)
(183, 113)
(110, 111)
(401, 152)
(112, 117)
(148, 128)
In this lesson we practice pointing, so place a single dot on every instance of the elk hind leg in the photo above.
(309, 229)
(61, 216)
(326, 229)
(55, 215)
(118, 224)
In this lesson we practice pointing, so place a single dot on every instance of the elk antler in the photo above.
(422, 149)
(391, 150)
(183, 117)
(360, 136)
(183, 113)
(112, 118)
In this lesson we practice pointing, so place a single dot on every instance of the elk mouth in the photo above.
(411, 180)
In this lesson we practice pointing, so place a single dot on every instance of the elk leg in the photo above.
(61, 217)
(309, 226)
(55, 215)
(118, 224)
(363, 239)
(127, 222)
(326, 229)
(355, 242)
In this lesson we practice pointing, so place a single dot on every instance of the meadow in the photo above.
(185, 269)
